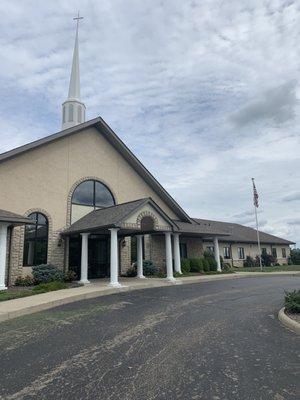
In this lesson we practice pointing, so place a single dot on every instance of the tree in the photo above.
(295, 256)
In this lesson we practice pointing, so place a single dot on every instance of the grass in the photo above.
(278, 268)
(292, 301)
(11, 294)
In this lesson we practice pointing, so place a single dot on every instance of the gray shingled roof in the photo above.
(10, 217)
(117, 143)
(105, 218)
(203, 229)
(241, 233)
(110, 217)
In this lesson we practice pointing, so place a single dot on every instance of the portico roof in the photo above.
(14, 219)
(125, 217)
(118, 217)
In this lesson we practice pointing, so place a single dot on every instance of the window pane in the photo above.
(40, 252)
(36, 241)
(103, 197)
(84, 194)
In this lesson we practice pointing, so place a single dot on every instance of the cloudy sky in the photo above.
(205, 92)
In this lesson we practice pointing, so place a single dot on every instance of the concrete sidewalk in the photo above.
(28, 305)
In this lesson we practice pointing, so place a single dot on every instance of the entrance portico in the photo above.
(136, 218)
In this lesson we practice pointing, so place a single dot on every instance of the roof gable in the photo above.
(119, 145)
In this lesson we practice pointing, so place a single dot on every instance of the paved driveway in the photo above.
(214, 340)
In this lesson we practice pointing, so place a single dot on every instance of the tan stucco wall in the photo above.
(250, 250)
(42, 179)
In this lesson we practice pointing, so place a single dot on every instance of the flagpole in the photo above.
(257, 231)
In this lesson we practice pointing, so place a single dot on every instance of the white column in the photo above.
(169, 265)
(217, 253)
(176, 251)
(84, 257)
(114, 258)
(3, 245)
(139, 261)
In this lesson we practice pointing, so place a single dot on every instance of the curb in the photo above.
(288, 322)
(45, 304)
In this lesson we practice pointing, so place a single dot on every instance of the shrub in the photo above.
(249, 262)
(185, 266)
(49, 287)
(212, 264)
(206, 265)
(196, 264)
(267, 260)
(292, 301)
(131, 272)
(45, 273)
(70, 276)
(295, 256)
(226, 267)
(149, 268)
(24, 281)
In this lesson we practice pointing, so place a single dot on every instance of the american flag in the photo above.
(255, 195)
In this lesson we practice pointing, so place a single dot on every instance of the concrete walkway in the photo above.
(97, 288)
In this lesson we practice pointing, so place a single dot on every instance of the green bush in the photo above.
(196, 264)
(45, 273)
(212, 264)
(131, 272)
(70, 276)
(295, 256)
(226, 267)
(206, 265)
(249, 262)
(24, 281)
(185, 265)
(292, 301)
(149, 269)
(49, 287)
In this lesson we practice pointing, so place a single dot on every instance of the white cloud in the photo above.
(168, 77)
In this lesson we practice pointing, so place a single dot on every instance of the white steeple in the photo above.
(73, 110)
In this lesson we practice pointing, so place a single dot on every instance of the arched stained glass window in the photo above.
(93, 193)
(36, 241)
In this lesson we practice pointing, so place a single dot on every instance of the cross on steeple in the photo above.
(73, 110)
(78, 18)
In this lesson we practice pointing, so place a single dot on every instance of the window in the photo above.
(36, 241)
(263, 250)
(93, 193)
(283, 252)
(241, 253)
(226, 252)
(71, 112)
(183, 250)
(274, 252)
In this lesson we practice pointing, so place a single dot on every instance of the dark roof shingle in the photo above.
(241, 233)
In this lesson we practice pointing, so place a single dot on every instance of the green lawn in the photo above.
(279, 268)
(10, 294)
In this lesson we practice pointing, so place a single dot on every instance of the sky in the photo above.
(204, 92)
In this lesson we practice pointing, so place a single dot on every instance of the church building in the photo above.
(81, 200)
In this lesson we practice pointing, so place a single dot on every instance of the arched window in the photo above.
(88, 196)
(36, 241)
